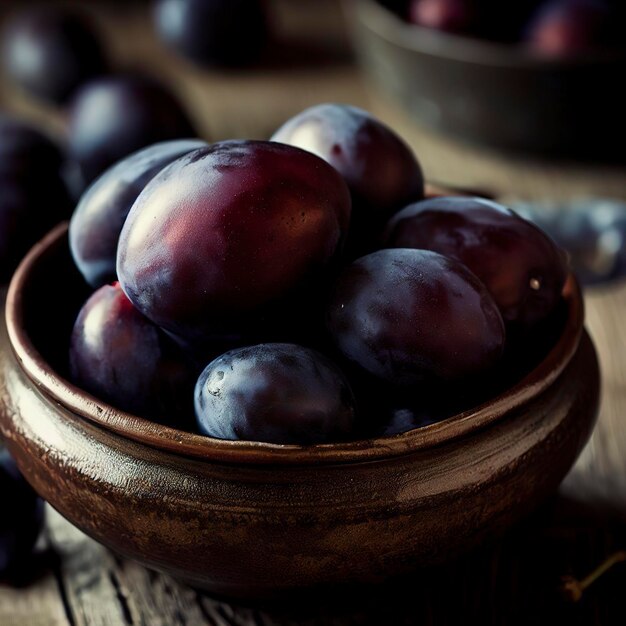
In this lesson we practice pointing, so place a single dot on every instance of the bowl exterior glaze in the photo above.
(494, 94)
(264, 525)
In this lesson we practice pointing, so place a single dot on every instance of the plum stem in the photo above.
(573, 588)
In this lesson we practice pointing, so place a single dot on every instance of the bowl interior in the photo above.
(47, 291)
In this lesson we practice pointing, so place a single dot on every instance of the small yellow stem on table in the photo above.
(573, 588)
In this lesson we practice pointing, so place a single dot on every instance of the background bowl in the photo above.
(254, 520)
(495, 94)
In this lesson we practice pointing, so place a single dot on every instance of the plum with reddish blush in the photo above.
(214, 32)
(412, 316)
(570, 27)
(33, 193)
(112, 117)
(21, 520)
(122, 358)
(380, 169)
(229, 230)
(276, 392)
(522, 268)
(98, 219)
(454, 16)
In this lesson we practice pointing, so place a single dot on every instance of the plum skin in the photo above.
(413, 316)
(97, 222)
(124, 359)
(276, 393)
(50, 52)
(380, 169)
(229, 229)
(522, 268)
(21, 520)
(112, 117)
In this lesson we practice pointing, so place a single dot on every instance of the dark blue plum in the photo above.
(214, 32)
(277, 393)
(122, 358)
(380, 169)
(522, 268)
(414, 316)
(98, 219)
(112, 117)
(33, 194)
(21, 519)
(50, 52)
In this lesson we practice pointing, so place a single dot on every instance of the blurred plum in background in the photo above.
(567, 27)
(592, 230)
(455, 16)
(50, 52)
(214, 32)
(33, 194)
(550, 27)
(112, 117)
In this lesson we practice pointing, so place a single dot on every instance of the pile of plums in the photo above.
(549, 27)
(55, 55)
(21, 520)
(304, 286)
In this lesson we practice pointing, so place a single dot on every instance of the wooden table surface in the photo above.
(510, 581)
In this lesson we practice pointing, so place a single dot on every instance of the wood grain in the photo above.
(509, 582)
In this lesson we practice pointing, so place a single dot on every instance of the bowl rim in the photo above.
(465, 49)
(168, 439)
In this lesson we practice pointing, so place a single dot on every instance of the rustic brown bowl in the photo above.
(253, 520)
(495, 94)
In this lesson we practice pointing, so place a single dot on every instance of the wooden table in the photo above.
(510, 581)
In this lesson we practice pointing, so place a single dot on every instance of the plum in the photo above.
(380, 169)
(50, 52)
(98, 219)
(33, 193)
(277, 393)
(214, 32)
(124, 359)
(455, 16)
(522, 268)
(228, 230)
(569, 27)
(112, 117)
(413, 316)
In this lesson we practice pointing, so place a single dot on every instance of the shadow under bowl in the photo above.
(249, 520)
(495, 94)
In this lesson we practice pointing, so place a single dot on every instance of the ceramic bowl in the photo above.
(494, 94)
(256, 520)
